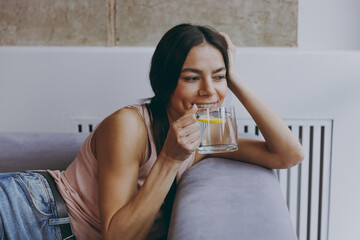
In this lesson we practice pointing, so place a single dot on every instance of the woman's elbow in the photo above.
(293, 158)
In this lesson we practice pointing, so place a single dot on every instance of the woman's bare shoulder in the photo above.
(124, 118)
(125, 127)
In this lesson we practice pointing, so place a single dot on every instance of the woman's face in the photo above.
(202, 81)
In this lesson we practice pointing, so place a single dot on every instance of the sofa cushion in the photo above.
(29, 151)
(224, 199)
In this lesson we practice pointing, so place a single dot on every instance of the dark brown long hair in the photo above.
(166, 64)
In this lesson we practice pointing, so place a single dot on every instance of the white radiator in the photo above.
(306, 187)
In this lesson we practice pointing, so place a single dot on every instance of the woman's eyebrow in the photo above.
(191, 70)
(199, 71)
(219, 70)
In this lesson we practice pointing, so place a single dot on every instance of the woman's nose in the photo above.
(207, 89)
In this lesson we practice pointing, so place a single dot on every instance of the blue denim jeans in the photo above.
(27, 208)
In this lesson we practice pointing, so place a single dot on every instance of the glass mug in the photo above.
(218, 130)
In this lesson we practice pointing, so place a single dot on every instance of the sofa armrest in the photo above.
(223, 199)
(30, 151)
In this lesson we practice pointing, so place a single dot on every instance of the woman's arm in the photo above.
(120, 141)
(281, 148)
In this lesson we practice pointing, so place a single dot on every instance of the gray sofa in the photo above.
(215, 199)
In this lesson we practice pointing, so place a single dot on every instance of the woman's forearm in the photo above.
(279, 138)
(135, 219)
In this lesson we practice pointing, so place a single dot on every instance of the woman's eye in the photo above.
(191, 78)
(220, 77)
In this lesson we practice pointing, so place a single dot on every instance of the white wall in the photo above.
(43, 89)
(329, 24)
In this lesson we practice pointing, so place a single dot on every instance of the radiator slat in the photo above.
(326, 180)
(315, 183)
(300, 135)
(304, 184)
(293, 202)
(283, 182)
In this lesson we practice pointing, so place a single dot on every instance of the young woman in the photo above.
(117, 186)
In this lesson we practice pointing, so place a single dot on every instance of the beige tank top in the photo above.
(79, 188)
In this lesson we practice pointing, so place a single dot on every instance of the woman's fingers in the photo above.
(230, 44)
(184, 121)
(188, 133)
(183, 136)
(231, 53)
(194, 139)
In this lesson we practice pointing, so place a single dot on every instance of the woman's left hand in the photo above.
(231, 55)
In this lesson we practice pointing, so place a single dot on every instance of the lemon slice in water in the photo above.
(204, 119)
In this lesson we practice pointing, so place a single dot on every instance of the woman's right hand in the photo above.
(183, 137)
